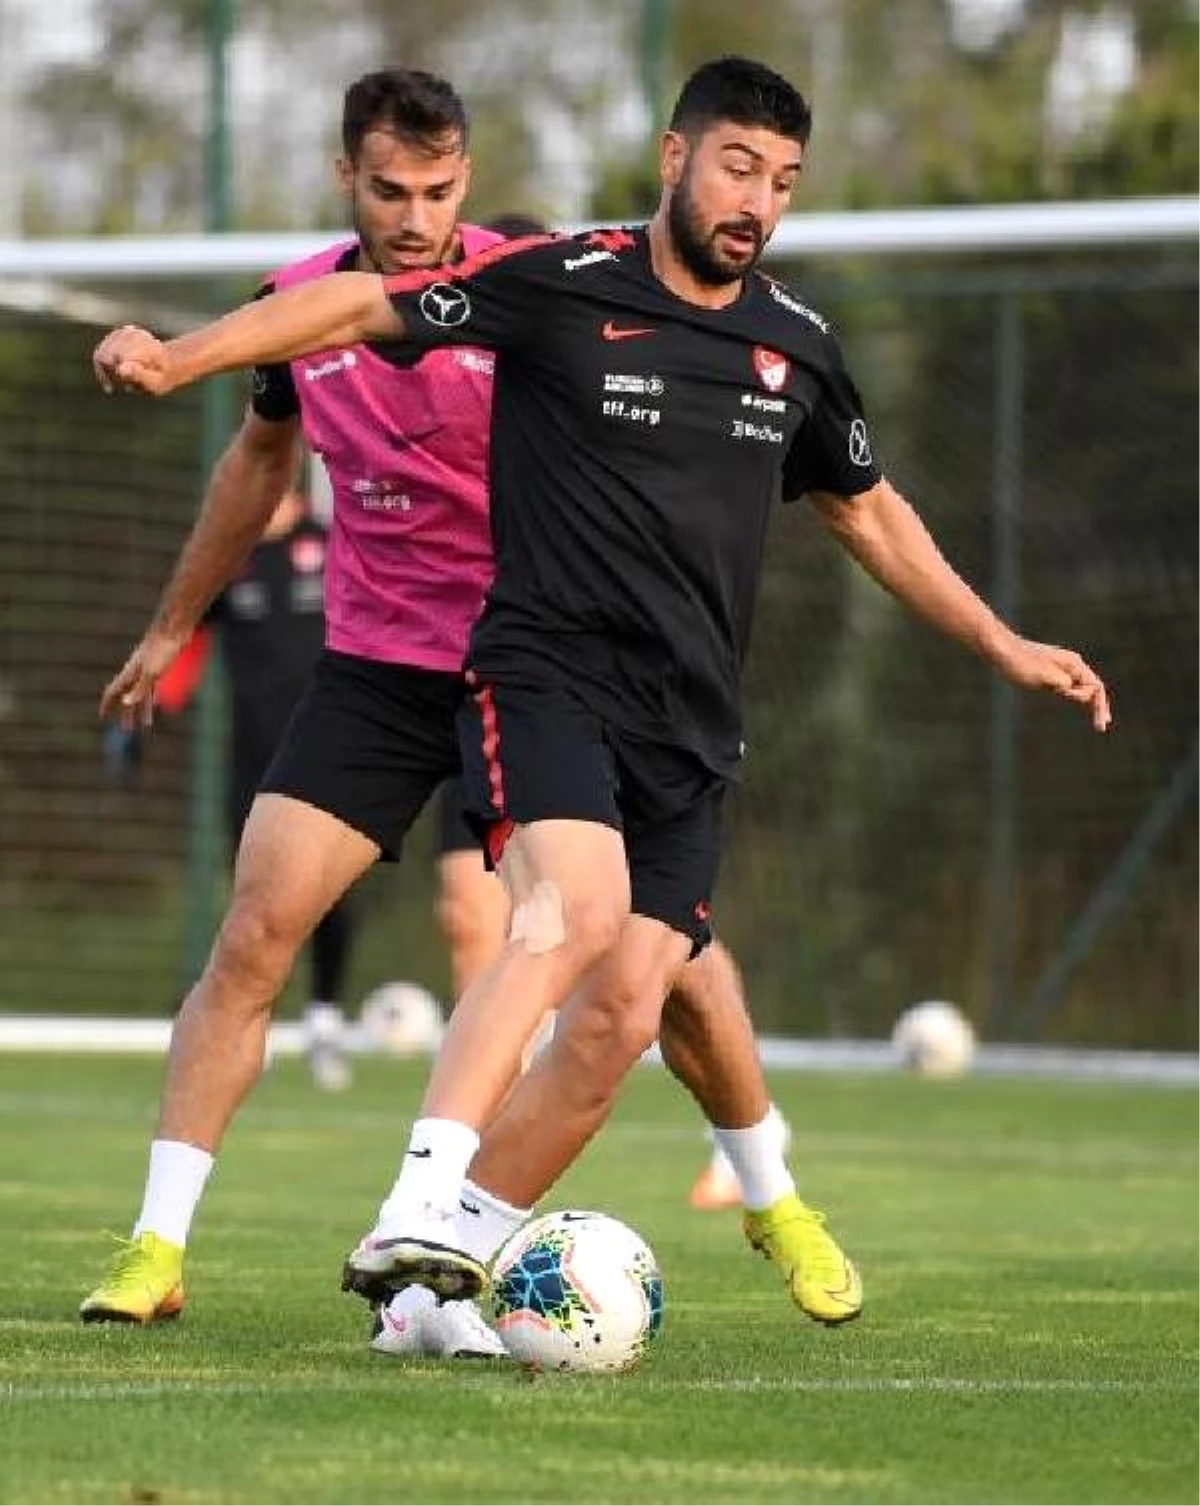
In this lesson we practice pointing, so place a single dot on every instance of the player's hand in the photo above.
(1045, 666)
(128, 698)
(131, 359)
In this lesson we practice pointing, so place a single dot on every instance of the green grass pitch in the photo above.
(1029, 1251)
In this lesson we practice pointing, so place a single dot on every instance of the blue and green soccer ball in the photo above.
(576, 1291)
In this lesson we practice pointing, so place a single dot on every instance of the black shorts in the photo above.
(258, 718)
(369, 743)
(538, 754)
(454, 832)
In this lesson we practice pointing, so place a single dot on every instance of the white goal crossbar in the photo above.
(972, 228)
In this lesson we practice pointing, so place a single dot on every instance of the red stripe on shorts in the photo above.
(491, 746)
(501, 829)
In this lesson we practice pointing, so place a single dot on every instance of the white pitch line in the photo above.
(904, 1385)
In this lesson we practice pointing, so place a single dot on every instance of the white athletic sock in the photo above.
(485, 1221)
(174, 1186)
(720, 1162)
(756, 1155)
(430, 1179)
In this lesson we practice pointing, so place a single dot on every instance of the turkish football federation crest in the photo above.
(770, 367)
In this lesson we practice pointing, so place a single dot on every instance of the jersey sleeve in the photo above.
(832, 449)
(489, 300)
(272, 390)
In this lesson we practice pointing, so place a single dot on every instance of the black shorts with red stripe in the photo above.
(539, 753)
(369, 743)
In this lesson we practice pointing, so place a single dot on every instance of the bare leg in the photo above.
(566, 1095)
(708, 1041)
(570, 892)
(294, 861)
(472, 911)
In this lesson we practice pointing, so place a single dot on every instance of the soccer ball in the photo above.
(576, 1291)
(402, 1019)
(934, 1039)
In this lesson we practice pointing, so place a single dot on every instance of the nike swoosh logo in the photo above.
(470, 1208)
(421, 1155)
(612, 331)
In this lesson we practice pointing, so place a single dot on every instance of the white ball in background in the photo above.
(402, 1019)
(934, 1039)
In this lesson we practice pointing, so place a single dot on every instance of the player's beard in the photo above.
(383, 259)
(695, 242)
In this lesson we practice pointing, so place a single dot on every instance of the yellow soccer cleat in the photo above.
(822, 1281)
(144, 1285)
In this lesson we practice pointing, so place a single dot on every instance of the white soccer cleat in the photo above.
(429, 1256)
(396, 1328)
(414, 1324)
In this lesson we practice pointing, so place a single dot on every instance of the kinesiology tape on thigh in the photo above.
(538, 919)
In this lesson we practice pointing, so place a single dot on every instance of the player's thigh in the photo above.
(294, 861)
(570, 871)
(368, 744)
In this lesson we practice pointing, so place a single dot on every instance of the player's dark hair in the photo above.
(418, 108)
(515, 225)
(744, 92)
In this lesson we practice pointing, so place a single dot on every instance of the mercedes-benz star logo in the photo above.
(444, 305)
(859, 444)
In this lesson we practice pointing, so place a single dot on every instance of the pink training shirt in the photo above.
(406, 448)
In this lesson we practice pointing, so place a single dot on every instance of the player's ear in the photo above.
(672, 159)
(343, 170)
(466, 178)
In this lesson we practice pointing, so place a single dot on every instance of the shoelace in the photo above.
(123, 1264)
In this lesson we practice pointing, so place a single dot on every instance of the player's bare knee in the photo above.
(254, 952)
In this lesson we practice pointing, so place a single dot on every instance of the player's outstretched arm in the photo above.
(885, 535)
(246, 484)
(326, 313)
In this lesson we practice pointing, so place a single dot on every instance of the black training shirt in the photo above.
(638, 443)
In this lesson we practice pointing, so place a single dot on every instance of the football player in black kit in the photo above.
(655, 397)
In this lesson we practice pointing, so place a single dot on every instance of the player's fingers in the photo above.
(1084, 685)
(107, 356)
(110, 696)
(135, 375)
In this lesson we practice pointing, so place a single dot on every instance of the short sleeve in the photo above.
(487, 300)
(831, 451)
(272, 390)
